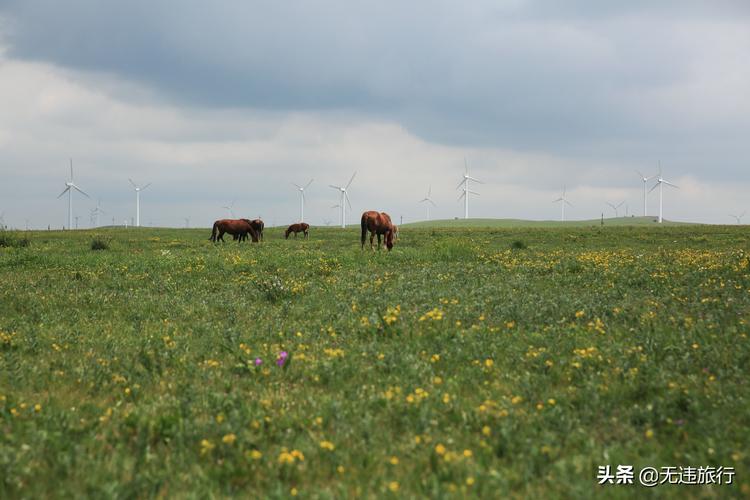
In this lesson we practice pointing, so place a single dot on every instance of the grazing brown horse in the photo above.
(300, 227)
(236, 227)
(256, 224)
(378, 223)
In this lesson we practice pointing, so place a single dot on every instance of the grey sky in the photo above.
(201, 98)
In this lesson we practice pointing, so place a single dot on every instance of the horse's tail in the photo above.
(214, 231)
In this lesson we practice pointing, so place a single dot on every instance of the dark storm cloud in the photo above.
(582, 78)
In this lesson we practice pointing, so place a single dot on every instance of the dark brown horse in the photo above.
(300, 227)
(256, 224)
(378, 223)
(236, 227)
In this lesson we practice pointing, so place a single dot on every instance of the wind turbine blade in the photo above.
(474, 179)
(433, 203)
(296, 185)
(619, 204)
(466, 166)
(569, 203)
(66, 190)
(350, 180)
(335, 187)
(302, 191)
(336, 206)
(611, 205)
(459, 184)
(742, 214)
(144, 187)
(670, 184)
(474, 192)
(81, 191)
(71, 170)
(423, 200)
(640, 174)
(346, 195)
(655, 186)
(133, 183)
(429, 191)
(308, 184)
(463, 193)
(555, 201)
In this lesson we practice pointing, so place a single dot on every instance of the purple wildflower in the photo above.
(258, 361)
(283, 355)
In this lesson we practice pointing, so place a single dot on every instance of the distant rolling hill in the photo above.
(513, 223)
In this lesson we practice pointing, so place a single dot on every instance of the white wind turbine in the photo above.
(466, 190)
(2, 221)
(645, 197)
(69, 187)
(344, 199)
(563, 201)
(428, 200)
(230, 209)
(616, 208)
(659, 183)
(138, 190)
(96, 212)
(301, 190)
(737, 217)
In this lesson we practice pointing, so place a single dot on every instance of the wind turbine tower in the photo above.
(230, 209)
(616, 207)
(428, 200)
(301, 190)
(466, 190)
(660, 184)
(738, 217)
(69, 187)
(344, 199)
(645, 198)
(563, 201)
(138, 190)
(96, 212)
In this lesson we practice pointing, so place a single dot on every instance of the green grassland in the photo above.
(479, 362)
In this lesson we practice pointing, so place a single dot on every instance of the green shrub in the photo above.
(99, 244)
(9, 239)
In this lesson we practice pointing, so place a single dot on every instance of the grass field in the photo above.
(466, 362)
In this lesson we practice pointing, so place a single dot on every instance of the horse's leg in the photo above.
(372, 238)
(221, 236)
(378, 241)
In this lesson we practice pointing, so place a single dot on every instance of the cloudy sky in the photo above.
(214, 102)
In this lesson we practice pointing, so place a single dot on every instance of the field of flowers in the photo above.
(481, 363)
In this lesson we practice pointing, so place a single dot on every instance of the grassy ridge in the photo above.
(523, 223)
(464, 363)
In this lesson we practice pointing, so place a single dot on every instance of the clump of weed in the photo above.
(8, 239)
(99, 244)
(519, 245)
(273, 288)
